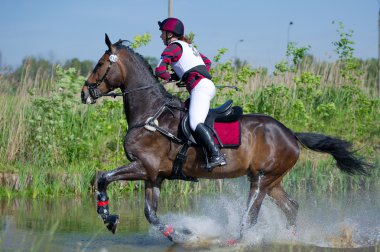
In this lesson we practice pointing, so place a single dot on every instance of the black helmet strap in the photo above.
(167, 38)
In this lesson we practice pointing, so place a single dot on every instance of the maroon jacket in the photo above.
(173, 53)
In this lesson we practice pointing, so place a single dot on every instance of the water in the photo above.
(324, 224)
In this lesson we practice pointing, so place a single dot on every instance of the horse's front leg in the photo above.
(152, 195)
(132, 171)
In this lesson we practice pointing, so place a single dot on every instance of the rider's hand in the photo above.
(174, 77)
(180, 84)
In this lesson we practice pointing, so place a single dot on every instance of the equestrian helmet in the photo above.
(173, 25)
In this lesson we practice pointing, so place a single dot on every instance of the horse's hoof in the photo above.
(185, 231)
(230, 242)
(112, 221)
(184, 235)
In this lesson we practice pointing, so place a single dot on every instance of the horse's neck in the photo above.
(139, 105)
(144, 94)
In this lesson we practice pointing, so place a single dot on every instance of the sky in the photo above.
(252, 30)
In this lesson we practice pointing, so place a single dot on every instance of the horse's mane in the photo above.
(120, 44)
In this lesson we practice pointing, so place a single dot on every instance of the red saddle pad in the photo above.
(229, 133)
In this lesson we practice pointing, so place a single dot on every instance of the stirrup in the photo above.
(219, 161)
(211, 164)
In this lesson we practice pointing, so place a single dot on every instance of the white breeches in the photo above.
(200, 98)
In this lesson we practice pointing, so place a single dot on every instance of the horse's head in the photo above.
(106, 76)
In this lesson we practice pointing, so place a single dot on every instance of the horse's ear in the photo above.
(108, 42)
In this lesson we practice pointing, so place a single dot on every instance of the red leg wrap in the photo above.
(102, 203)
(168, 231)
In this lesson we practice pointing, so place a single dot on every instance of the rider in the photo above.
(192, 68)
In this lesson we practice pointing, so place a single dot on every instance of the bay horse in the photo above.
(268, 149)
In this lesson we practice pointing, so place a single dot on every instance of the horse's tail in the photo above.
(346, 159)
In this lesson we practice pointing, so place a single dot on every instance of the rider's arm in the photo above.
(206, 61)
(172, 53)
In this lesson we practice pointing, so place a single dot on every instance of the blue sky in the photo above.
(61, 30)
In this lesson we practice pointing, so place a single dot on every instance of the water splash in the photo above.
(332, 222)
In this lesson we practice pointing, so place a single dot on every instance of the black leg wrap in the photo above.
(103, 208)
(110, 220)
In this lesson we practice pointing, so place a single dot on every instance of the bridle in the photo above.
(93, 88)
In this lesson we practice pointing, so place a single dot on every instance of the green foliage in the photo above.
(281, 68)
(62, 131)
(297, 54)
(307, 88)
(191, 37)
(245, 73)
(344, 48)
(141, 40)
(219, 55)
(82, 67)
(226, 74)
(53, 135)
(32, 66)
(272, 99)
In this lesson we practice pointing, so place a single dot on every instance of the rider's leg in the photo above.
(206, 138)
(200, 99)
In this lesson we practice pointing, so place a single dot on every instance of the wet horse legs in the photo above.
(132, 171)
(152, 194)
(286, 204)
(256, 197)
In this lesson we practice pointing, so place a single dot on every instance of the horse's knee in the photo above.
(102, 182)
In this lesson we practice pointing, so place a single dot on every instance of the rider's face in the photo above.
(163, 36)
(166, 36)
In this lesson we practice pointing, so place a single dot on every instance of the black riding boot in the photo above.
(205, 137)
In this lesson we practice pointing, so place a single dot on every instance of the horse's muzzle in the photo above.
(86, 98)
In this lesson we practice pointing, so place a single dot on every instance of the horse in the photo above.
(268, 149)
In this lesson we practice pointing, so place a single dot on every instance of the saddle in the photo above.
(221, 121)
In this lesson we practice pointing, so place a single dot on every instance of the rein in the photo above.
(151, 121)
(112, 94)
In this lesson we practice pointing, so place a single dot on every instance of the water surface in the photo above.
(325, 223)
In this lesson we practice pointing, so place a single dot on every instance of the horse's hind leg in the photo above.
(288, 205)
(132, 171)
(255, 199)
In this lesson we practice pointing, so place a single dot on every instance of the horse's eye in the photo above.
(99, 65)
